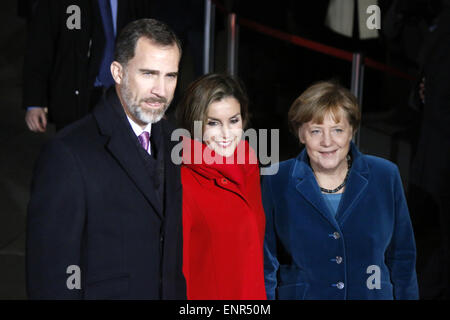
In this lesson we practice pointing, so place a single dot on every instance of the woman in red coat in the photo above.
(223, 216)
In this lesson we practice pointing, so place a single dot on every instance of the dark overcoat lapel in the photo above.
(121, 143)
(358, 180)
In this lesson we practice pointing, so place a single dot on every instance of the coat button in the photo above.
(77, 92)
(224, 181)
(340, 285)
(336, 235)
(338, 260)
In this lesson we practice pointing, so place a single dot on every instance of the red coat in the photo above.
(223, 229)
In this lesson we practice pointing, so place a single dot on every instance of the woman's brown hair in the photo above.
(206, 90)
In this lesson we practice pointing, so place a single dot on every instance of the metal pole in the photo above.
(232, 44)
(208, 41)
(357, 84)
(236, 50)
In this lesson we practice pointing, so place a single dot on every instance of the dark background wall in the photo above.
(18, 150)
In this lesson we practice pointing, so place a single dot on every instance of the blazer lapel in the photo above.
(113, 123)
(305, 183)
(356, 185)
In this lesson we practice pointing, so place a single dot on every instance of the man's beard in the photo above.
(134, 107)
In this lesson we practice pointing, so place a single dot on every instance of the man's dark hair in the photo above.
(157, 31)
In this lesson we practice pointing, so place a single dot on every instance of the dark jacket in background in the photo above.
(430, 168)
(431, 165)
(61, 64)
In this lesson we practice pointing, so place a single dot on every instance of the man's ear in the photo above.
(117, 72)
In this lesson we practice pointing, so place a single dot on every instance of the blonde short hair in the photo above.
(320, 99)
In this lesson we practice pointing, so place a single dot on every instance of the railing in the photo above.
(359, 62)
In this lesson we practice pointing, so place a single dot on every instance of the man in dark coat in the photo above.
(68, 43)
(104, 219)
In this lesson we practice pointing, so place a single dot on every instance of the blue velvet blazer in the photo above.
(366, 252)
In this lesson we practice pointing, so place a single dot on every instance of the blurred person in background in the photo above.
(70, 47)
(430, 169)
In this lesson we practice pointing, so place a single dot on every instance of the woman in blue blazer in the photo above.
(337, 223)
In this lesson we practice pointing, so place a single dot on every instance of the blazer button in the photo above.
(340, 285)
(336, 235)
(338, 260)
(224, 181)
(77, 92)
